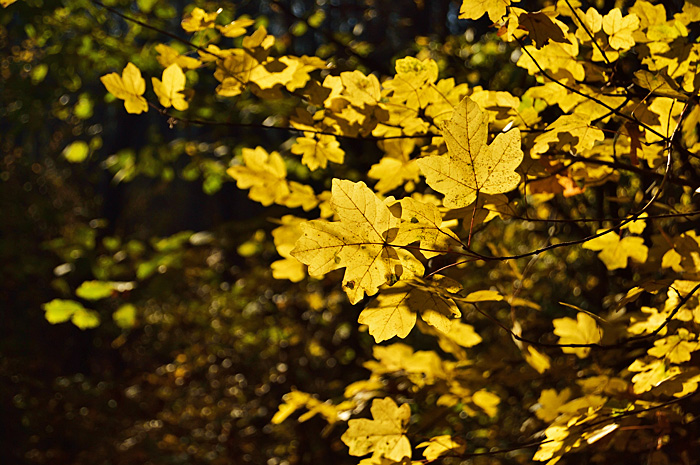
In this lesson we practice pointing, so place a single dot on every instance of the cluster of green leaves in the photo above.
(481, 203)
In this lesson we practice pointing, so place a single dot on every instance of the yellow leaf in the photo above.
(6, 3)
(423, 222)
(650, 375)
(568, 132)
(463, 334)
(284, 237)
(129, 87)
(168, 55)
(619, 29)
(487, 401)
(550, 402)
(412, 84)
(383, 436)
(554, 57)
(471, 166)
(614, 251)
(440, 445)
(236, 28)
(361, 89)
(198, 20)
(676, 348)
(396, 168)
(541, 28)
(362, 242)
(264, 174)
(316, 151)
(583, 330)
(169, 91)
(475, 9)
(393, 311)
(537, 360)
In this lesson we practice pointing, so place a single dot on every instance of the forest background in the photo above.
(141, 319)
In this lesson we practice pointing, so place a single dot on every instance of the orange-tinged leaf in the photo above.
(471, 166)
(169, 90)
(362, 242)
(383, 436)
(129, 87)
(582, 330)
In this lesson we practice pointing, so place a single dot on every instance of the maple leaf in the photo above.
(541, 28)
(168, 55)
(129, 87)
(475, 9)
(318, 150)
(198, 20)
(236, 28)
(412, 83)
(676, 348)
(361, 89)
(583, 330)
(423, 221)
(396, 168)
(264, 174)
(568, 132)
(362, 242)
(440, 445)
(554, 56)
(393, 312)
(383, 436)
(550, 402)
(471, 166)
(619, 29)
(614, 251)
(169, 90)
(284, 237)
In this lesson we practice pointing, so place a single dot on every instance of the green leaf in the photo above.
(94, 290)
(85, 319)
(76, 152)
(59, 310)
(125, 316)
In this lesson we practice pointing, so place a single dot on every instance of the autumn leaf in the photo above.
(362, 242)
(393, 312)
(284, 237)
(236, 28)
(583, 330)
(168, 55)
(550, 402)
(264, 174)
(198, 20)
(440, 445)
(129, 87)
(541, 28)
(619, 29)
(475, 9)
(471, 166)
(383, 436)
(568, 132)
(169, 90)
(614, 251)
(317, 150)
